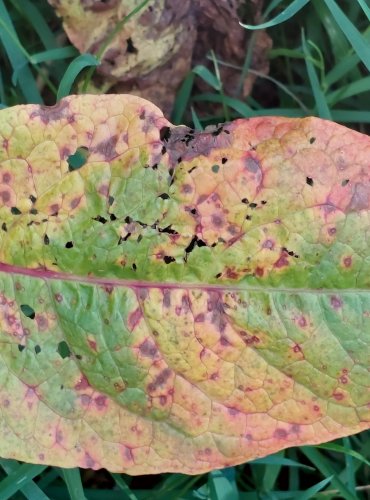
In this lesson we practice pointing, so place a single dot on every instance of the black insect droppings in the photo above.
(100, 219)
(69, 244)
(312, 140)
(164, 196)
(33, 211)
(134, 266)
(253, 205)
(46, 239)
(245, 201)
(21, 347)
(345, 182)
(168, 259)
(309, 181)
(37, 349)
(248, 217)
(163, 150)
(193, 168)
(193, 211)
(15, 211)
(131, 49)
(218, 275)
(128, 220)
(110, 200)
(112, 217)
(4, 227)
(223, 161)
(32, 198)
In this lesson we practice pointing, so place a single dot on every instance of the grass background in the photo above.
(320, 65)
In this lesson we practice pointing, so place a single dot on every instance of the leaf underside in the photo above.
(173, 300)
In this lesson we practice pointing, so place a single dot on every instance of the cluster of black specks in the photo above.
(252, 205)
(290, 252)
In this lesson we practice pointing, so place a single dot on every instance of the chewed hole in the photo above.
(28, 311)
(77, 159)
(63, 349)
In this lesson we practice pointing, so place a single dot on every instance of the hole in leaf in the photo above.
(165, 133)
(28, 311)
(63, 349)
(77, 159)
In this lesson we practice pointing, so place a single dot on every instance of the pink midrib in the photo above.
(46, 274)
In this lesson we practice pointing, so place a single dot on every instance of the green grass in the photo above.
(320, 63)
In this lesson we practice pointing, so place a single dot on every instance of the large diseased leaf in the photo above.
(153, 52)
(172, 300)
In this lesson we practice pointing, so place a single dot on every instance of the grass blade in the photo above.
(182, 99)
(222, 485)
(72, 478)
(33, 16)
(74, 69)
(54, 54)
(30, 490)
(360, 45)
(365, 8)
(18, 57)
(321, 104)
(286, 14)
(324, 466)
(311, 492)
(19, 478)
(127, 493)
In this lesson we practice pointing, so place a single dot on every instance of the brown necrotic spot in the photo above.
(148, 348)
(280, 433)
(107, 148)
(49, 114)
(336, 302)
(347, 261)
(7, 177)
(160, 380)
(252, 164)
(134, 318)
